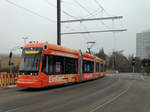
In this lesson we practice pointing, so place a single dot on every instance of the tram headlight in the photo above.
(34, 74)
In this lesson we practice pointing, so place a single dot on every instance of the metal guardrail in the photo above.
(7, 79)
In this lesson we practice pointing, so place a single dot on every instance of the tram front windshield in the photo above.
(30, 60)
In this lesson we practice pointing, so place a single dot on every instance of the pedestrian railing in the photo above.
(7, 79)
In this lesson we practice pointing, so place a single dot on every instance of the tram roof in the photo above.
(61, 48)
(51, 47)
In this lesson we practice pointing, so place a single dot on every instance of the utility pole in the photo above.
(58, 22)
(10, 62)
(114, 49)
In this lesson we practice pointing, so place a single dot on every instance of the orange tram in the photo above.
(44, 64)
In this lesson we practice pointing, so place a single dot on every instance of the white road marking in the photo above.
(142, 77)
(12, 86)
(10, 110)
(113, 99)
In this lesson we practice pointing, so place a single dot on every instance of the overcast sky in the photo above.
(40, 23)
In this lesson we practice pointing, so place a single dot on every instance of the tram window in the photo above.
(98, 67)
(102, 67)
(51, 65)
(84, 67)
(88, 67)
(59, 65)
(70, 66)
(47, 66)
(66, 65)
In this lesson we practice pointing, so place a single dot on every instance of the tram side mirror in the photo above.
(45, 47)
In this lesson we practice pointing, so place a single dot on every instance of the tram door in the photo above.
(80, 65)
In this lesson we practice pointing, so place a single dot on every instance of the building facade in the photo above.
(4, 63)
(143, 44)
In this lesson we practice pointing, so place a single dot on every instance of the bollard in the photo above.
(10, 79)
(1, 79)
(13, 79)
(16, 77)
(4, 84)
(7, 78)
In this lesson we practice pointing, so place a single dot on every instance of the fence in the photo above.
(109, 71)
(7, 79)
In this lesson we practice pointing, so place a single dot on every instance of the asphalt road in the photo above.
(113, 93)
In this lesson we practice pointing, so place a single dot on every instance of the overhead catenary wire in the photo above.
(85, 28)
(69, 16)
(90, 13)
(83, 7)
(93, 13)
(96, 12)
(101, 7)
(66, 13)
(30, 11)
(50, 4)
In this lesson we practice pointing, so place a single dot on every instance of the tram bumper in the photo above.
(29, 84)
